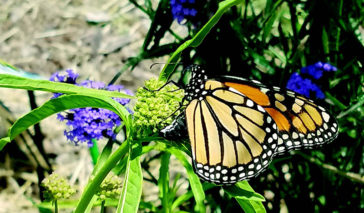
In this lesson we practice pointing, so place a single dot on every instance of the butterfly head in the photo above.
(195, 89)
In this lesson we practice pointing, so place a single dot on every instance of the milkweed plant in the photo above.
(283, 43)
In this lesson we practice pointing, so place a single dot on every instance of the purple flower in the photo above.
(316, 70)
(183, 9)
(304, 86)
(67, 76)
(85, 124)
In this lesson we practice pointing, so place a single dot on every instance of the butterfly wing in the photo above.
(232, 138)
(301, 123)
(240, 125)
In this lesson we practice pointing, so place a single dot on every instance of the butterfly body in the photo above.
(236, 126)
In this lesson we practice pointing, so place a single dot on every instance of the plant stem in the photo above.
(94, 152)
(94, 184)
(352, 108)
(55, 206)
(350, 175)
(102, 207)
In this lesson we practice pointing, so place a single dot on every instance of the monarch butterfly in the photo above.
(237, 126)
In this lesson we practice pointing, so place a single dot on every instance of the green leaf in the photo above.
(59, 104)
(325, 41)
(194, 180)
(353, 108)
(248, 199)
(94, 151)
(132, 187)
(250, 206)
(242, 190)
(268, 26)
(106, 151)
(279, 54)
(12, 81)
(163, 181)
(94, 184)
(197, 39)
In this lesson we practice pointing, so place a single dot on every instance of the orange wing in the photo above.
(301, 123)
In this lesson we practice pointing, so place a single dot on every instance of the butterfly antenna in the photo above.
(159, 63)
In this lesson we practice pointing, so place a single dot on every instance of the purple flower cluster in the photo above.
(306, 86)
(316, 70)
(85, 124)
(183, 9)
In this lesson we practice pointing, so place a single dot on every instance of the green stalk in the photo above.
(102, 207)
(94, 184)
(335, 101)
(337, 43)
(55, 206)
(94, 151)
(352, 108)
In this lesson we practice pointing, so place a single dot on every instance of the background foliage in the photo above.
(269, 40)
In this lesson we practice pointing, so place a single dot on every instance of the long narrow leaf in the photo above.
(132, 187)
(106, 152)
(16, 82)
(163, 181)
(251, 206)
(248, 199)
(243, 190)
(94, 183)
(57, 105)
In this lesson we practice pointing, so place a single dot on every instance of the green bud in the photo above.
(56, 188)
(110, 187)
(154, 109)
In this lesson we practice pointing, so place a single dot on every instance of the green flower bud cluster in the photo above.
(56, 188)
(110, 187)
(153, 109)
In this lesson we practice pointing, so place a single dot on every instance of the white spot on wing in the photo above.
(260, 108)
(234, 90)
(294, 135)
(249, 103)
(325, 116)
(264, 90)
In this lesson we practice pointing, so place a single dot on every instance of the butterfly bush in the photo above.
(305, 86)
(154, 109)
(87, 124)
(183, 9)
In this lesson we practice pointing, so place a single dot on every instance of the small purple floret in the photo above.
(183, 9)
